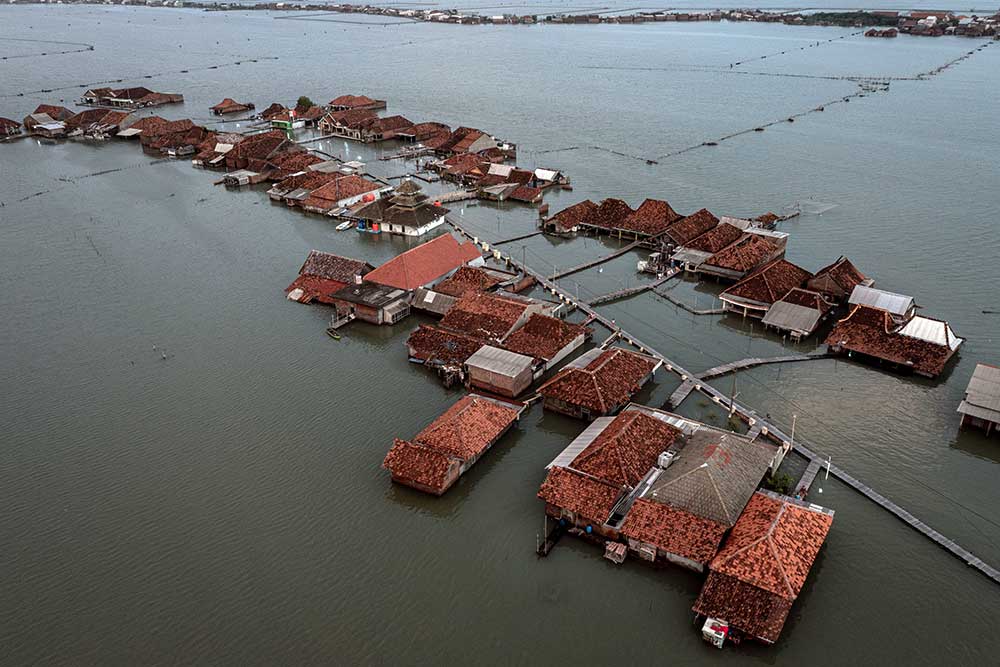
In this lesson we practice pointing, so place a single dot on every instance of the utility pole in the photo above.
(791, 442)
(732, 398)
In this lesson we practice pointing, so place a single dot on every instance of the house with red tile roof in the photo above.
(918, 344)
(490, 317)
(428, 131)
(229, 105)
(437, 456)
(427, 264)
(383, 129)
(689, 228)
(755, 294)
(440, 348)
(343, 192)
(324, 273)
(577, 499)
(347, 102)
(548, 340)
(609, 215)
(468, 279)
(570, 219)
(836, 281)
(651, 218)
(9, 128)
(742, 257)
(798, 313)
(759, 573)
(348, 124)
(128, 98)
(464, 140)
(597, 383)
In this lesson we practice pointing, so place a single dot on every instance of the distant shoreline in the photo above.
(882, 23)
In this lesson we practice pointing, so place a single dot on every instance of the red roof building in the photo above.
(433, 461)
(691, 227)
(763, 566)
(919, 344)
(467, 279)
(426, 264)
(570, 218)
(9, 128)
(229, 105)
(599, 382)
(651, 218)
(324, 273)
(626, 449)
(489, 317)
(440, 348)
(755, 294)
(582, 500)
(657, 530)
(345, 102)
(837, 281)
(339, 193)
(737, 260)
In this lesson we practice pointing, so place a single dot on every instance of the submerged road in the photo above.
(754, 420)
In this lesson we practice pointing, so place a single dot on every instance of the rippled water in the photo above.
(227, 505)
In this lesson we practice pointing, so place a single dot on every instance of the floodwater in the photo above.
(226, 505)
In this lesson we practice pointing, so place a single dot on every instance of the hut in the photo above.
(348, 102)
(323, 274)
(757, 576)
(434, 460)
(755, 294)
(371, 302)
(598, 383)
(981, 406)
(499, 371)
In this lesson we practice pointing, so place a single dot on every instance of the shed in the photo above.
(499, 371)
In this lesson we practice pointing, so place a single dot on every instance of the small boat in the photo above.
(346, 224)
(332, 333)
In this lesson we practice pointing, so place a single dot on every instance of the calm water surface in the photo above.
(227, 506)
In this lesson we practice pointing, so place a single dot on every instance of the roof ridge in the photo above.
(774, 549)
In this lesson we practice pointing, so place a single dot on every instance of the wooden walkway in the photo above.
(632, 291)
(455, 195)
(750, 362)
(808, 477)
(684, 306)
(774, 432)
(517, 238)
(680, 394)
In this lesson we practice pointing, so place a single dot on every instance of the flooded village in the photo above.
(723, 502)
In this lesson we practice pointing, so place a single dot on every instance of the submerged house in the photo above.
(981, 406)
(426, 264)
(598, 382)
(324, 273)
(9, 128)
(48, 120)
(499, 371)
(437, 456)
(408, 211)
(347, 102)
(128, 98)
(348, 124)
(339, 193)
(915, 343)
(96, 123)
(570, 219)
(463, 140)
(837, 281)
(668, 487)
(757, 576)
(229, 105)
(687, 229)
(371, 303)
(754, 295)
(742, 257)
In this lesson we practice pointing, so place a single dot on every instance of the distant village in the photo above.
(639, 481)
(932, 23)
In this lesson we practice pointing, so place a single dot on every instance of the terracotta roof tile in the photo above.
(626, 449)
(486, 316)
(589, 498)
(468, 427)
(466, 279)
(688, 229)
(746, 254)
(652, 217)
(605, 383)
(673, 530)
(327, 196)
(575, 215)
(426, 263)
(770, 282)
(439, 347)
(334, 267)
(716, 238)
(420, 464)
(609, 214)
(838, 279)
(543, 337)
(764, 564)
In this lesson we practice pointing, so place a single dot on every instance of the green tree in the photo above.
(304, 103)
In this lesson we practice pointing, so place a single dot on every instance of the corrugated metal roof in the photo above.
(502, 362)
(792, 317)
(546, 174)
(932, 331)
(896, 304)
(689, 256)
(984, 389)
(581, 442)
(584, 358)
(130, 132)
